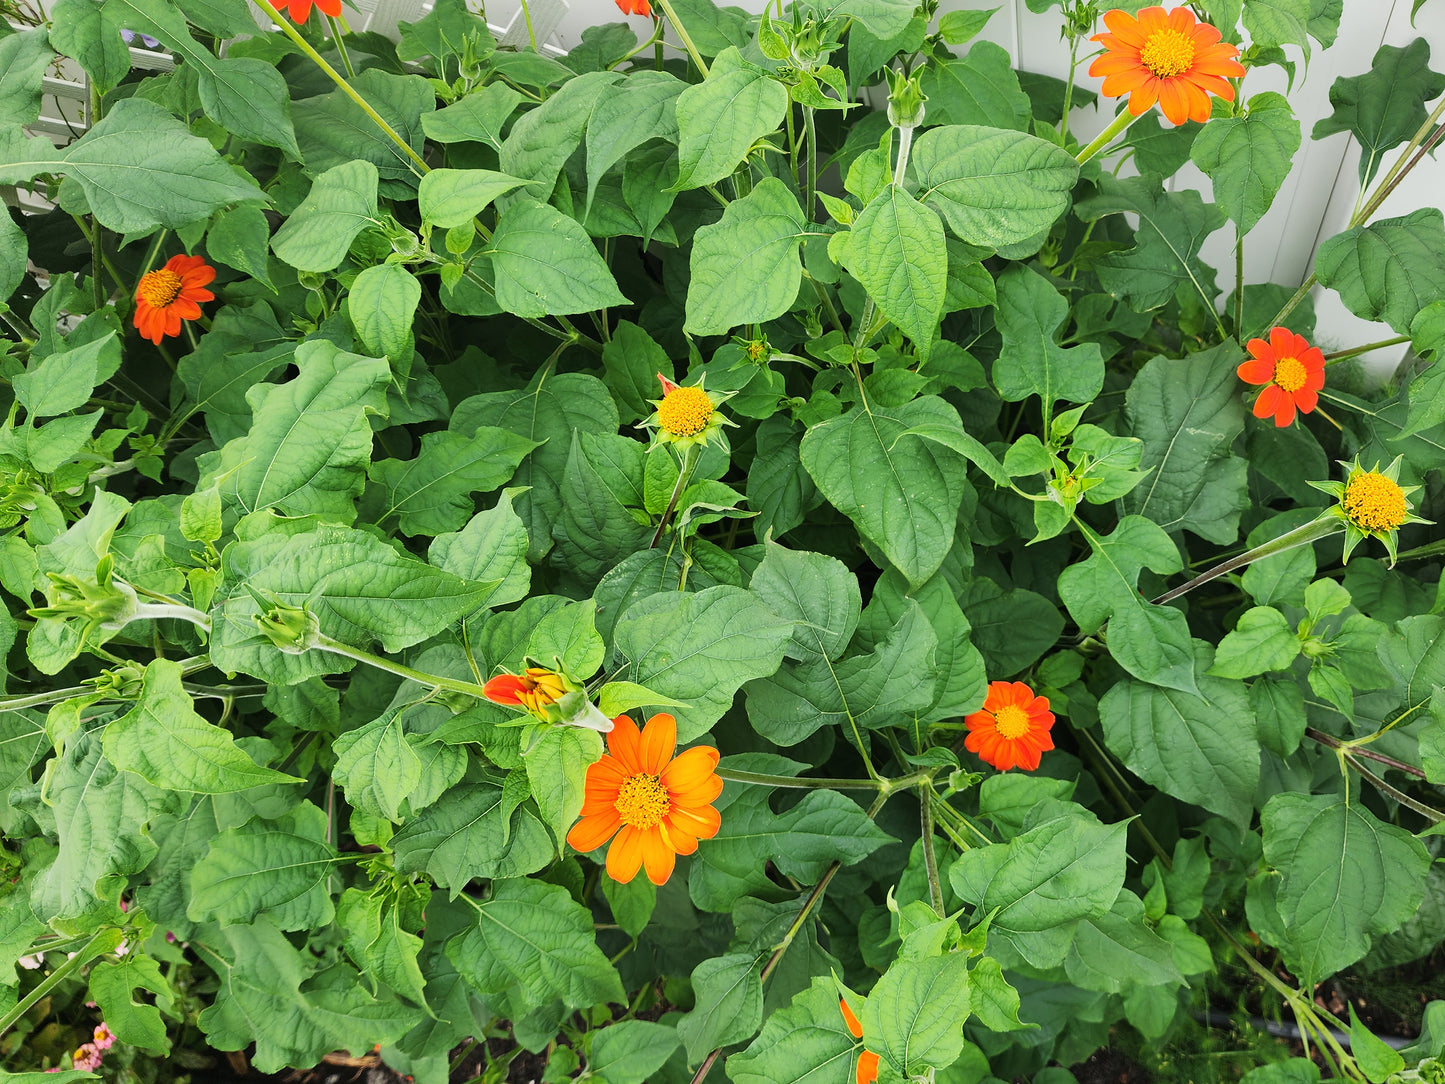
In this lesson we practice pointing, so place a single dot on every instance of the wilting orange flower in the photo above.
(166, 296)
(867, 1060)
(300, 10)
(532, 689)
(658, 804)
(635, 7)
(1292, 371)
(1168, 57)
(1012, 729)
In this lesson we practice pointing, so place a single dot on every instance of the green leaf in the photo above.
(1119, 951)
(958, 27)
(1066, 868)
(700, 648)
(1376, 1058)
(432, 493)
(631, 1051)
(542, 139)
(816, 591)
(62, 381)
(341, 203)
(1187, 412)
(133, 1022)
(627, 114)
(1030, 317)
(546, 265)
(14, 252)
(631, 360)
(452, 197)
(492, 547)
(914, 1014)
(1262, 640)
(1151, 642)
(1389, 270)
(995, 188)
(1345, 877)
(379, 943)
(1171, 231)
(277, 867)
(23, 60)
(377, 767)
(310, 440)
(897, 475)
(1273, 23)
(1386, 106)
(382, 305)
(333, 130)
(806, 1043)
(1012, 628)
(479, 117)
(557, 771)
(246, 95)
(896, 251)
(982, 88)
(1247, 158)
(238, 237)
(473, 832)
(140, 168)
(719, 119)
(167, 744)
(728, 1007)
(1199, 746)
(745, 267)
(535, 938)
(84, 31)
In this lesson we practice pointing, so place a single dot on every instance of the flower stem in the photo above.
(1238, 284)
(103, 941)
(1312, 531)
(794, 782)
(1401, 167)
(531, 34)
(1104, 138)
(323, 642)
(341, 47)
(301, 43)
(930, 858)
(1341, 355)
(683, 34)
(905, 143)
(810, 166)
(689, 460)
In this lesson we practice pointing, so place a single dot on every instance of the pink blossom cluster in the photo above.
(88, 1056)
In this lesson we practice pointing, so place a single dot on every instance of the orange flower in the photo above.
(867, 1060)
(1292, 371)
(532, 689)
(660, 802)
(1168, 57)
(170, 294)
(1012, 729)
(635, 7)
(300, 10)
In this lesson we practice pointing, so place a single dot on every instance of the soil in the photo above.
(1110, 1067)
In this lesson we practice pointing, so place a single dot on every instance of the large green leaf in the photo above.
(982, 88)
(745, 267)
(542, 139)
(1388, 270)
(719, 119)
(166, 743)
(276, 867)
(700, 649)
(310, 441)
(728, 1007)
(1030, 317)
(382, 305)
(1345, 877)
(627, 114)
(995, 188)
(333, 130)
(1249, 157)
(816, 591)
(341, 203)
(377, 767)
(477, 117)
(1172, 228)
(631, 1051)
(1272, 23)
(896, 251)
(806, 1043)
(83, 31)
(1120, 951)
(1386, 106)
(1187, 412)
(897, 474)
(379, 942)
(432, 494)
(23, 59)
(1151, 642)
(62, 381)
(452, 197)
(536, 938)
(473, 831)
(491, 547)
(546, 265)
(1200, 747)
(557, 772)
(915, 1013)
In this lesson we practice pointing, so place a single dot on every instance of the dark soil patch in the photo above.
(1110, 1067)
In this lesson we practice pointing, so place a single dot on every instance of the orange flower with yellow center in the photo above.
(166, 296)
(300, 10)
(658, 805)
(1165, 57)
(1375, 503)
(867, 1070)
(533, 689)
(635, 7)
(1012, 728)
(1291, 370)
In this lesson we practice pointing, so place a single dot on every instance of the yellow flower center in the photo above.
(1290, 374)
(1374, 502)
(1167, 53)
(684, 412)
(1011, 721)
(642, 801)
(543, 687)
(158, 288)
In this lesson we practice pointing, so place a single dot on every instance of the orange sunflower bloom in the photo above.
(659, 805)
(1012, 729)
(635, 7)
(1165, 57)
(166, 296)
(532, 689)
(300, 10)
(1292, 371)
(867, 1071)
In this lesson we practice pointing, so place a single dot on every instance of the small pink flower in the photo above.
(104, 1037)
(87, 1058)
(170, 937)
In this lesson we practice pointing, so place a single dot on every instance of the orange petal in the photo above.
(702, 821)
(1282, 339)
(659, 741)
(855, 1029)
(503, 689)
(592, 831)
(867, 1071)
(1116, 86)
(657, 856)
(623, 743)
(1143, 99)
(1284, 412)
(705, 793)
(1113, 64)
(624, 857)
(1172, 101)
(689, 768)
(1256, 370)
(1126, 27)
(1268, 399)
(1306, 399)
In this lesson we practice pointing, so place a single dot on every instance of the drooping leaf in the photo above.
(382, 305)
(1388, 270)
(745, 267)
(278, 868)
(341, 203)
(915, 1013)
(719, 119)
(432, 494)
(896, 250)
(729, 1005)
(982, 88)
(545, 264)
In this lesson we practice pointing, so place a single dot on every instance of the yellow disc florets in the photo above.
(1167, 53)
(1375, 503)
(159, 288)
(1290, 374)
(642, 801)
(684, 411)
(1011, 721)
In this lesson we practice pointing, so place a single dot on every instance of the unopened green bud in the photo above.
(905, 99)
(292, 629)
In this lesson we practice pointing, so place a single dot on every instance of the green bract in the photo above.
(503, 394)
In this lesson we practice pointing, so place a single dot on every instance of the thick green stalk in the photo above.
(1312, 531)
(1356, 351)
(1104, 138)
(103, 941)
(683, 34)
